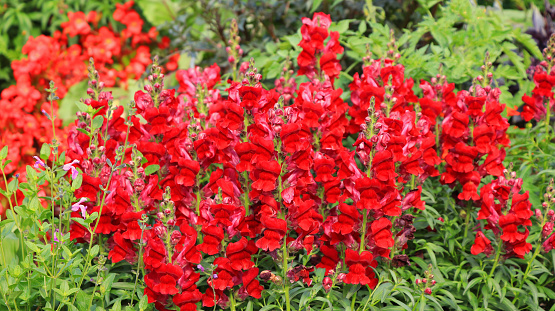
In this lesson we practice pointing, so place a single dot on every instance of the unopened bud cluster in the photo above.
(425, 284)
(234, 49)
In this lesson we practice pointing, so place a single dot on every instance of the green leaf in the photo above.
(80, 221)
(143, 304)
(151, 169)
(472, 284)
(77, 182)
(68, 107)
(528, 42)
(45, 151)
(362, 27)
(82, 107)
(4, 153)
(158, 12)
(117, 306)
(97, 122)
(94, 251)
(315, 5)
(9, 247)
(340, 26)
(33, 246)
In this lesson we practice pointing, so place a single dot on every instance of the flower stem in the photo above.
(353, 301)
(285, 265)
(496, 260)
(94, 290)
(529, 266)
(467, 219)
(231, 301)
(88, 263)
(363, 236)
(547, 123)
(139, 264)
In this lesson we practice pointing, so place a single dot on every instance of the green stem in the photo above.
(363, 236)
(536, 252)
(52, 117)
(9, 197)
(88, 263)
(547, 123)
(246, 174)
(285, 265)
(496, 260)
(94, 290)
(53, 228)
(418, 302)
(232, 301)
(138, 267)
(6, 271)
(529, 266)
(353, 301)
(467, 219)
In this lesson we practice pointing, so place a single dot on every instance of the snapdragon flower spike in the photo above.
(473, 129)
(318, 58)
(542, 97)
(506, 212)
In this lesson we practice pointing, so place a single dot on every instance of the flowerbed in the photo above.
(222, 194)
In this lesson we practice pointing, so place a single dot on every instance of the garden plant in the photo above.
(350, 164)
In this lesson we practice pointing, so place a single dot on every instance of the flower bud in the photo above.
(428, 291)
(265, 275)
(139, 185)
(547, 229)
(327, 283)
(340, 278)
(160, 231)
(175, 237)
(171, 221)
(539, 215)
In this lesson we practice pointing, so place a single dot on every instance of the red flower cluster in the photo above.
(543, 98)
(473, 137)
(209, 182)
(319, 57)
(25, 122)
(505, 211)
